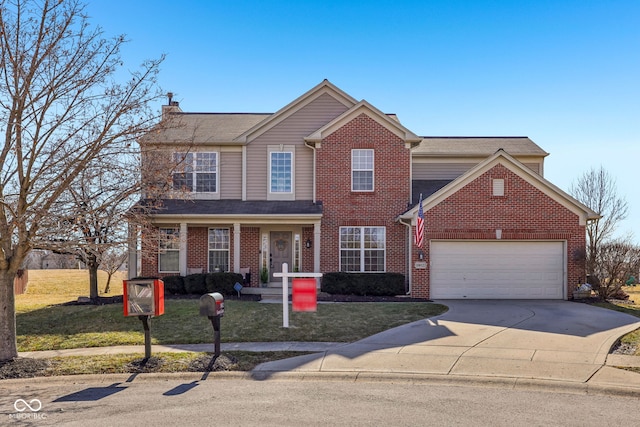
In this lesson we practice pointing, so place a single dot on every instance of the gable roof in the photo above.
(463, 146)
(505, 159)
(325, 87)
(202, 128)
(363, 107)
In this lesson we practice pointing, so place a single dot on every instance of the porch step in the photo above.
(269, 292)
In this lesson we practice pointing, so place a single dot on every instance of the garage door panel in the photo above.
(503, 270)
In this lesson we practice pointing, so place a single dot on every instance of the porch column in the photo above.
(182, 260)
(132, 244)
(316, 247)
(236, 247)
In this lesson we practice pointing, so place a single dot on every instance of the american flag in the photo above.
(419, 225)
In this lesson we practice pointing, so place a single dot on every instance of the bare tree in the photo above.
(93, 210)
(597, 190)
(61, 109)
(617, 261)
(112, 260)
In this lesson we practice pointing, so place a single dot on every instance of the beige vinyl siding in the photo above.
(291, 131)
(231, 174)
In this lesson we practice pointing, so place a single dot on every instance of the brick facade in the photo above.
(523, 213)
(343, 207)
(324, 136)
(249, 252)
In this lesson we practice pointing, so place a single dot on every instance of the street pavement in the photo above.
(521, 344)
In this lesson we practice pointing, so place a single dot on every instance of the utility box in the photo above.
(143, 297)
(212, 305)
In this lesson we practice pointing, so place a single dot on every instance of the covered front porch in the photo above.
(234, 240)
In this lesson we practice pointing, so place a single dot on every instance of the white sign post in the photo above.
(285, 289)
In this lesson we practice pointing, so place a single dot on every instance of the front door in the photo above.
(280, 252)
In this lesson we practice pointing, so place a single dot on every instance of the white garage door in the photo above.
(497, 270)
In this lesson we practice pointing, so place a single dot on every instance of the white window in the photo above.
(281, 172)
(196, 172)
(169, 250)
(218, 249)
(362, 249)
(362, 170)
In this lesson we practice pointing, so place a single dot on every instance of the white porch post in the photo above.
(236, 247)
(132, 243)
(182, 263)
(316, 247)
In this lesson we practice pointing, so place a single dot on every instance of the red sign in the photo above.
(304, 295)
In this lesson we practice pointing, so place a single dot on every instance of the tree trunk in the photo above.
(107, 288)
(92, 265)
(8, 345)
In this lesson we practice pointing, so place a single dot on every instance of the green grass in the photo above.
(45, 321)
(76, 326)
(44, 324)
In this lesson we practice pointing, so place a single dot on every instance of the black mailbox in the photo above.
(212, 305)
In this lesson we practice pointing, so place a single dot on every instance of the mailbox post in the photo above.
(212, 306)
(144, 298)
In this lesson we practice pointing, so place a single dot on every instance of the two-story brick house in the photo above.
(329, 183)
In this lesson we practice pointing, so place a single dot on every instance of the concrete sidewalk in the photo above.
(177, 348)
(557, 342)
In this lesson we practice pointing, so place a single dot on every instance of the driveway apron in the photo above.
(558, 340)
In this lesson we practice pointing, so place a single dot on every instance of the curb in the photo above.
(517, 384)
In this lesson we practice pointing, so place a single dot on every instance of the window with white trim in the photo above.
(281, 172)
(362, 249)
(218, 249)
(196, 172)
(169, 250)
(362, 161)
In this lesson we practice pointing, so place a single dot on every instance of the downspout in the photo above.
(408, 253)
(313, 147)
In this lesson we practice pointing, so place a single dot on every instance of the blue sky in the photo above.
(564, 73)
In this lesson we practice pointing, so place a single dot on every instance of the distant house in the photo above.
(329, 183)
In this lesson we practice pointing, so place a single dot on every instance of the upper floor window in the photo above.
(196, 172)
(169, 250)
(362, 170)
(281, 168)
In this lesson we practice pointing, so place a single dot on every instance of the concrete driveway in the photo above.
(551, 340)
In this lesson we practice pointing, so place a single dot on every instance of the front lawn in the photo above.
(632, 308)
(49, 319)
(76, 326)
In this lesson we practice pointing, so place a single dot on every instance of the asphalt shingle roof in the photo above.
(477, 146)
(203, 128)
(237, 207)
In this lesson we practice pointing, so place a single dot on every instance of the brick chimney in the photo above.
(171, 107)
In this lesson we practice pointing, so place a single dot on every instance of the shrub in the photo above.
(195, 283)
(223, 282)
(174, 285)
(363, 284)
